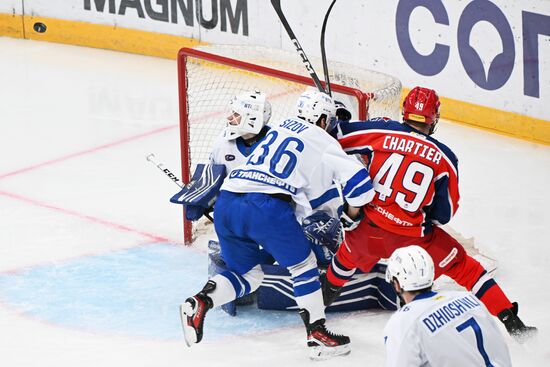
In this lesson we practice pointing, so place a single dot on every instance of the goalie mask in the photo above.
(412, 266)
(249, 113)
(312, 105)
(422, 105)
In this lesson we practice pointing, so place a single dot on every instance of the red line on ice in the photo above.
(89, 218)
(87, 151)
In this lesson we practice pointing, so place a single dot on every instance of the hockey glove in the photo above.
(348, 223)
(342, 112)
(323, 230)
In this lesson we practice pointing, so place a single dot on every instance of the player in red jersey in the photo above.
(416, 182)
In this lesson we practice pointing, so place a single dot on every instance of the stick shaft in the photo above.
(277, 6)
(151, 158)
(323, 52)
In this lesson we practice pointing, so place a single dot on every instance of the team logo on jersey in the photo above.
(229, 157)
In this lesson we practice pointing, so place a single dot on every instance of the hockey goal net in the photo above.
(209, 76)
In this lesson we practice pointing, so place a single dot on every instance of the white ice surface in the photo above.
(75, 126)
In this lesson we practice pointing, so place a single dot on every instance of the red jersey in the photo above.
(414, 175)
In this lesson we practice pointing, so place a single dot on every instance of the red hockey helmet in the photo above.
(421, 105)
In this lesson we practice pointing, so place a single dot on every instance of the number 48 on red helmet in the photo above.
(421, 105)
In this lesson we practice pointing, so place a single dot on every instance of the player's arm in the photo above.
(200, 194)
(356, 184)
(357, 188)
(357, 137)
(446, 196)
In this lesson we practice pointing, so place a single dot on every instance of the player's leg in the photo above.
(276, 228)
(243, 274)
(451, 259)
(362, 248)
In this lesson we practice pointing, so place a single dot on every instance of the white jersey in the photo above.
(302, 160)
(230, 153)
(444, 329)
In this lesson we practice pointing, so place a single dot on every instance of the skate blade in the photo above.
(321, 353)
(188, 331)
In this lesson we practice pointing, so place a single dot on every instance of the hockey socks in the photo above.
(340, 271)
(470, 274)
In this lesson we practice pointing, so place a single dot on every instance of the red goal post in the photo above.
(209, 76)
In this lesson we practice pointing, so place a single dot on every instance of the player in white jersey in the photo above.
(441, 329)
(257, 205)
(246, 124)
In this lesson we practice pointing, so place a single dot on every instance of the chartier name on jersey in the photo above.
(396, 137)
(402, 144)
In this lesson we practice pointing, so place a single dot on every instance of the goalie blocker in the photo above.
(200, 194)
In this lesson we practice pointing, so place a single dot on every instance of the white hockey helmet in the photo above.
(249, 114)
(412, 266)
(312, 105)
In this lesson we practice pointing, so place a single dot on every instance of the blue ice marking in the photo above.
(133, 292)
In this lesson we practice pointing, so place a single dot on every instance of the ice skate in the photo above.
(515, 327)
(330, 291)
(192, 313)
(324, 344)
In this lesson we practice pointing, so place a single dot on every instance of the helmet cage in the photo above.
(254, 111)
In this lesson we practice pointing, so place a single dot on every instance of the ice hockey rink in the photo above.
(92, 265)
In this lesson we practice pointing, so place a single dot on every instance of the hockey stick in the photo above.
(277, 6)
(166, 171)
(323, 53)
(174, 179)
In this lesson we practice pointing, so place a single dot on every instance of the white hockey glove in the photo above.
(349, 223)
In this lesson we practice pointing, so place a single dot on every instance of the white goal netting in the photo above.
(209, 78)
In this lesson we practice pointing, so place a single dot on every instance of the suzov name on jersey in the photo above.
(450, 311)
(410, 146)
(257, 176)
(294, 125)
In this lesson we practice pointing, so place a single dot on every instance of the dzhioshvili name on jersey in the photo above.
(450, 311)
(257, 176)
